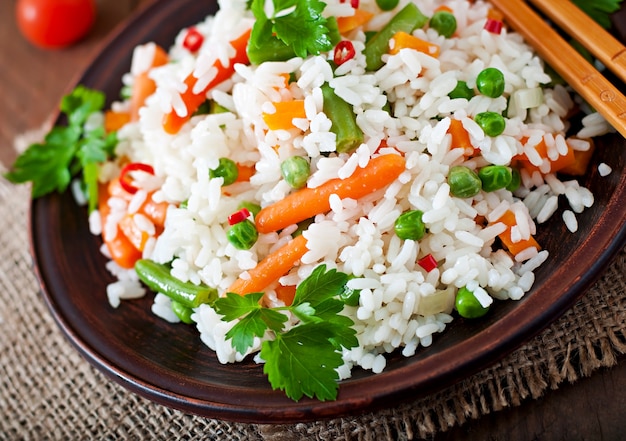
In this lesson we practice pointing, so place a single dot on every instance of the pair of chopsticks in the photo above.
(584, 78)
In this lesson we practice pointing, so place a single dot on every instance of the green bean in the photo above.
(226, 169)
(182, 312)
(467, 305)
(406, 20)
(344, 126)
(444, 23)
(243, 235)
(295, 171)
(490, 82)
(463, 182)
(492, 123)
(409, 225)
(495, 177)
(158, 278)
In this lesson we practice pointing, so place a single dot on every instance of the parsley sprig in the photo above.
(599, 10)
(303, 359)
(293, 28)
(67, 150)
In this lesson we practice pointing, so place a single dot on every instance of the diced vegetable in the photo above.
(409, 225)
(143, 86)
(492, 123)
(113, 121)
(238, 216)
(193, 40)
(490, 82)
(406, 20)
(495, 177)
(508, 218)
(227, 169)
(286, 111)
(308, 202)
(243, 235)
(402, 40)
(295, 171)
(428, 262)
(182, 312)
(461, 91)
(158, 278)
(271, 268)
(350, 23)
(460, 137)
(124, 179)
(467, 305)
(387, 5)
(344, 51)
(444, 22)
(494, 26)
(463, 182)
(344, 126)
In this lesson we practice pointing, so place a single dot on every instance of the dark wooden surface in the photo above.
(33, 80)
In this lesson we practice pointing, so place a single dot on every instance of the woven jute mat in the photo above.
(48, 391)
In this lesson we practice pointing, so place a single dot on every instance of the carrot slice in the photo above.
(143, 85)
(286, 293)
(460, 137)
(308, 202)
(271, 268)
(113, 121)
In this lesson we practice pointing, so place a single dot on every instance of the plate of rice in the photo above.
(323, 209)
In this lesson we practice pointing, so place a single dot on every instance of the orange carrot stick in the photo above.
(172, 122)
(271, 268)
(308, 202)
(402, 40)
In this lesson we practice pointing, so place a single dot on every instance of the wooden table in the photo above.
(32, 82)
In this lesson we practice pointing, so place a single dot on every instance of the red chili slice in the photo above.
(238, 216)
(353, 3)
(428, 262)
(493, 26)
(344, 51)
(193, 40)
(125, 181)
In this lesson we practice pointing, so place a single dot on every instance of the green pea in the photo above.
(495, 177)
(467, 305)
(295, 171)
(243, 235)
(461, 90)
(463, 182)
(250, 206)
(516, 180)
(409, 225)
(444, 23)
(226, 169)
(490, 82)
(183, 312)
(492, 123)
(350, 296)
(387, 5)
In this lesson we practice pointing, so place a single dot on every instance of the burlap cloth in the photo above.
(48, 391)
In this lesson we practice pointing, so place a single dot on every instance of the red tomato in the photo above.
(55, 23)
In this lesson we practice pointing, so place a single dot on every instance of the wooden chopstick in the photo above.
(587, 32)
(599, 92)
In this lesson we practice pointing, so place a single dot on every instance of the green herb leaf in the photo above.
(303, 361)
(295, 28)
(67, 150)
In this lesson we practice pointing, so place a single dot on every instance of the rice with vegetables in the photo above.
(407, 166)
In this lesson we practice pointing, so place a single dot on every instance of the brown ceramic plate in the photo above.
(168, 363)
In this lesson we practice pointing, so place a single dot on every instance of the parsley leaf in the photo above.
(293, 28)
(302, 360)
(67, 150)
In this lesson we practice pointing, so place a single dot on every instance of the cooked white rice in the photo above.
(401, 305)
